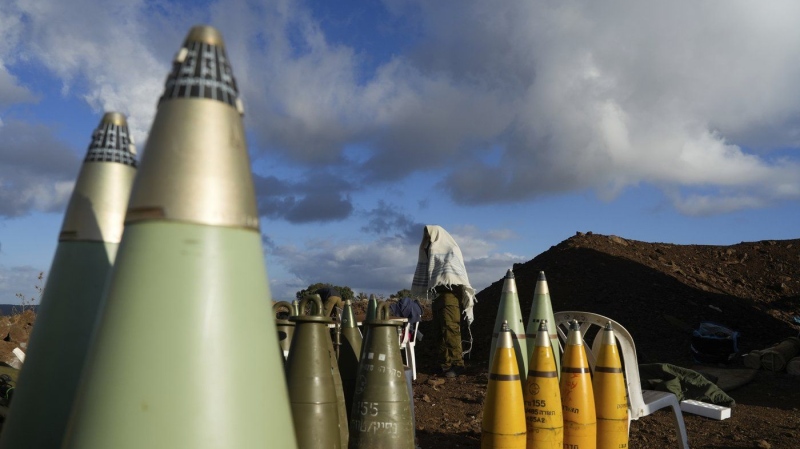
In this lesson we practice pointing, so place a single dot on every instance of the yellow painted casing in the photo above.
(577, 395)
(503, 423)
(610, 396)
(543, 416)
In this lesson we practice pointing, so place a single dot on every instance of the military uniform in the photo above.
(447, 328)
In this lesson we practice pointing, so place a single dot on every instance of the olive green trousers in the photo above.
(447, 330)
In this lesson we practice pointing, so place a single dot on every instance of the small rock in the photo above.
(764, 445)
(435, 382)
(618, 240)
(426, 398)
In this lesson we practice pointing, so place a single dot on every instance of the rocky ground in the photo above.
(659, 292)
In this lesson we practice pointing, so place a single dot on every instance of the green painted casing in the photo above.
(186, 351)
(542, 309)
(58, 345)
(312, 386)
(509, 310)
(349, 354)
(381, 416)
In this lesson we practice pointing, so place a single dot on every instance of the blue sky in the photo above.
(512, 124)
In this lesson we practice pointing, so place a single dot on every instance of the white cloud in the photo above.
(37, 171)
(11, 92)
(575, 95)
(104, 54)
(624, 93)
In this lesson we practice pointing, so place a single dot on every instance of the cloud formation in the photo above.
(37, 172)
(571, 96)
(542, 98)
(314, 199)
(112, 56)
(386, 218)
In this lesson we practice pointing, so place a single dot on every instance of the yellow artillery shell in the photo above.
(577, 396)
(543, 415)
(610, 395)
(503, 423)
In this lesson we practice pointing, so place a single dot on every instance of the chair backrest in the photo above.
(408, 334)
(413, 332)
(626, 348)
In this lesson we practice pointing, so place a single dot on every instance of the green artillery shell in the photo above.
(73, 294)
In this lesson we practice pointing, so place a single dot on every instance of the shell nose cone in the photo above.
(608, 335)
(541, 285)
(197, 169)
(543, 336)
(574, 337)
(504, 339)
(201, 70)
(509, 284)
(114, 118)
(543, 326)
(111, 141)
(205, 33)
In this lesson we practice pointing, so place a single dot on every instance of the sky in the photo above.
(512, 124)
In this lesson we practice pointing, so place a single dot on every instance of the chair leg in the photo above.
(680, 426)
(412, 363)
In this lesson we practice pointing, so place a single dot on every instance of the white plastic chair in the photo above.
(640, 402)
(408, 339)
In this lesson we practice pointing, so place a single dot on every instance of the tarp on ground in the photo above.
(683, 382)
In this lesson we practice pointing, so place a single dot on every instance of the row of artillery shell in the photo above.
(546, 412)
(508, 311)
(371, 410)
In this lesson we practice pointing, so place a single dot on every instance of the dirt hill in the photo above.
(659, 292)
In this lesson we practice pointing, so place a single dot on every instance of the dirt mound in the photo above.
(14, 332)
(659, 292)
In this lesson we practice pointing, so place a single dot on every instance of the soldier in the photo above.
(440, 270)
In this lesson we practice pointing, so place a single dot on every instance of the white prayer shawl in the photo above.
(441, 263)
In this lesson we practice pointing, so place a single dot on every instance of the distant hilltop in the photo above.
(12, 309)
